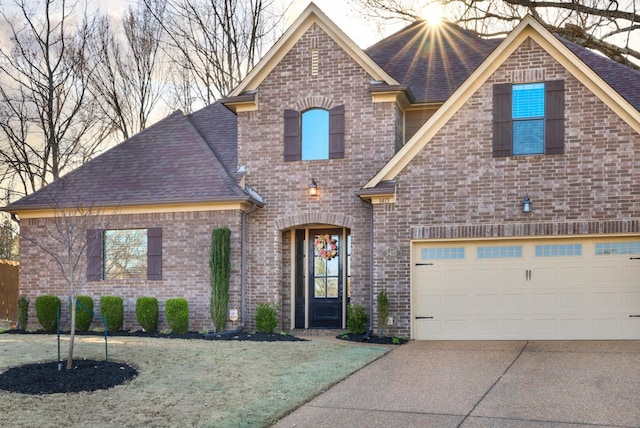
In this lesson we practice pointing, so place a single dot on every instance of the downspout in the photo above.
(371, 273)
(243, 262)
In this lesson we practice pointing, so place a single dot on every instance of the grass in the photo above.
(183, 383)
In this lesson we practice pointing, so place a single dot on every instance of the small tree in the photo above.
(220, 263)
(64, 238)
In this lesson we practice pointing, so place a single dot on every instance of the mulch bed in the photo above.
(367, 338)
(45, 378)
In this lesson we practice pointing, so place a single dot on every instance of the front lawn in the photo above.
(182, 382)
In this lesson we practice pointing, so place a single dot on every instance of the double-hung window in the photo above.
(528, 118)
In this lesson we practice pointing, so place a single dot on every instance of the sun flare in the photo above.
(433, 13)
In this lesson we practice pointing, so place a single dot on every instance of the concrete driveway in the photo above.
(486, 384)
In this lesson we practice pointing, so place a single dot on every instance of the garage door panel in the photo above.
(551, 289)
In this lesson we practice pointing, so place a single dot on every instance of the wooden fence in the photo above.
(9, 290)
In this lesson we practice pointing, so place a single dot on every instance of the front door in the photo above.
(325, 279)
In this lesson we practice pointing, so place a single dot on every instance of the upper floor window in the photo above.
(314, 134)
(528, 118)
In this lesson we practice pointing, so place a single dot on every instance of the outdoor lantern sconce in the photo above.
(526, 204)
(313, 188)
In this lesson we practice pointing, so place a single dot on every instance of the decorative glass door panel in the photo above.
(325, 279)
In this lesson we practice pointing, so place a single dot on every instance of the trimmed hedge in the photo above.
(113, 308)
(266, 317)
(177, 313)
(23, 312)
(147, 313)
(47, 312)
(84, 313)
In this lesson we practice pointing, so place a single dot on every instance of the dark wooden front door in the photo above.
(325, 279)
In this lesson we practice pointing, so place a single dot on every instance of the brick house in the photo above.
(486, 185)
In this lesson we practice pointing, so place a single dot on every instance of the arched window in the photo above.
(315, 134)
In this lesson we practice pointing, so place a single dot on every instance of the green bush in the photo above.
(357, 319)
(266, 317)
(147, 313)
(84, 313)
(220, 263)
(177, 313)
(47, 307)
(113, 308)
(23, 312)
(383, 311)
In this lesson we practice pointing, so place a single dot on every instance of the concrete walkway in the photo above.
(486, 384)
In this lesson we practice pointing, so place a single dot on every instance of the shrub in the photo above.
(266, 317)
(383, 311)
(23, 312)
(47, 307)
(357, 319)
(113, 308)
(147, 313)
(84, 313)
(220, 264)
(177, 313)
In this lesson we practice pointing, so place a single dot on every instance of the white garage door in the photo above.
(536, 289)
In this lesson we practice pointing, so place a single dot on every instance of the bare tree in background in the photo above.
(213, 44)
(128, 70)
(48, 120)
(608, 26)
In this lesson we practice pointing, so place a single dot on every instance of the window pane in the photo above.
(528, 100)
(315, 134)
(319, 288)
(528, 137)
(125, 254)
(332, 287)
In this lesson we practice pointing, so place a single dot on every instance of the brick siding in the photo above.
(454, 188)
(186, 240)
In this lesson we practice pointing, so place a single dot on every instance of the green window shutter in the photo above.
(502, 123)
(292, 148)
(554, 117)
(154, 253)
(94, 255)
(336, 132)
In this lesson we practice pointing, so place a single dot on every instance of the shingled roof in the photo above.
(432, 61)
(181, 159)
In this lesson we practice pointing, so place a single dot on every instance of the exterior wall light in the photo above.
(526, 204)
(313, 188)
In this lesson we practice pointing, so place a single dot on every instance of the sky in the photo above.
(354, 24)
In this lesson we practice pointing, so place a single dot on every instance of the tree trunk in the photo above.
(72, 334)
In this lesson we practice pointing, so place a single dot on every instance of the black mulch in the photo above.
(45, 378)
(371, 338)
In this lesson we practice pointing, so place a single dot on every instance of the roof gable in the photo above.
(168, 163)
(311, 15)
(528, 28)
